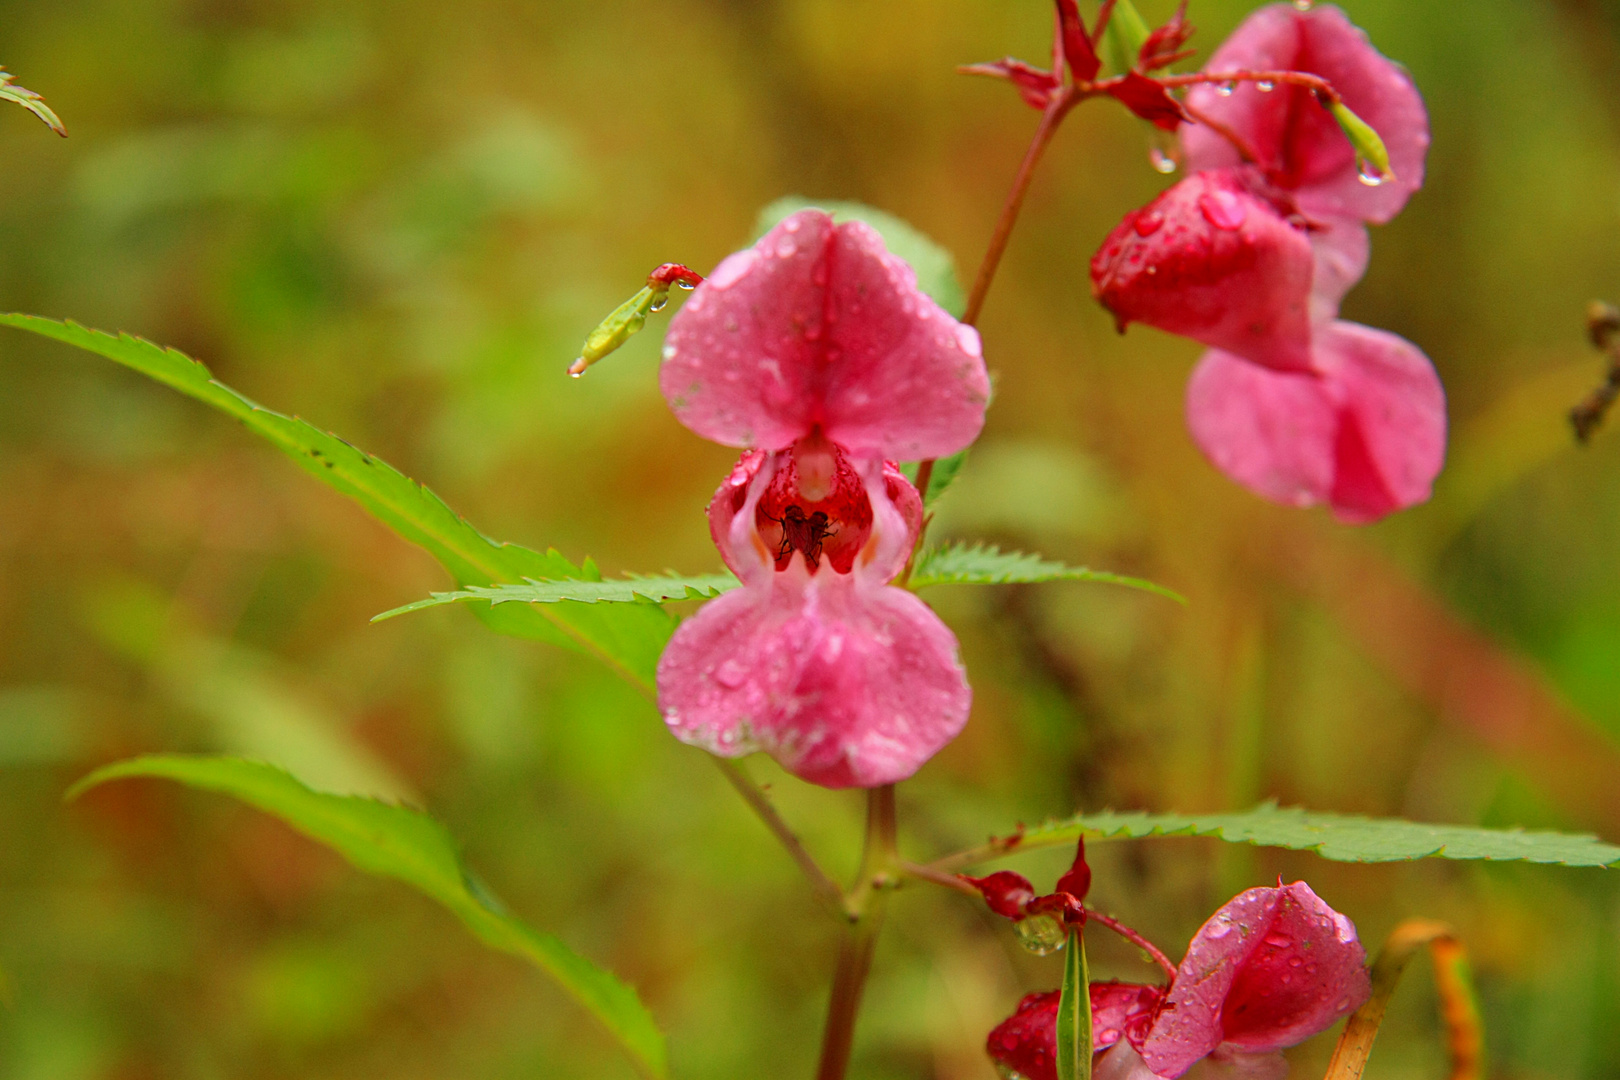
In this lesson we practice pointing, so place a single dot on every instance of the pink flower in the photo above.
(1253, 258)
(816, 350)
(1271, 968)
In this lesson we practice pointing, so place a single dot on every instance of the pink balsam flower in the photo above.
(1270, 969)
(1252, 254)
(816, 352)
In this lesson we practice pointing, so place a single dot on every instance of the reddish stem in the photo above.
(669, 274)
(1245, 151)
(1103, 14)
(1134, 938)
(1314, 83)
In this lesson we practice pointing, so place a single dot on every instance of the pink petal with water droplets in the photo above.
(1212, 260)
(1026, 1041)
(1298, 141)
(1366, 434)
(817, 324)
(1122, 1062)
(1271, 968)
(844, 683)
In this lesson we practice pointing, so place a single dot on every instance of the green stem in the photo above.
(826, 890)
(864, 906)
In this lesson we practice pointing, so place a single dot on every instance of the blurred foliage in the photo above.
(399, 220)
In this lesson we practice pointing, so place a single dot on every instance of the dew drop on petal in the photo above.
(1148, 224)
(967, 339)
(1223, 209)
(1302, 5)
(669, 352)
(730, 674)
(1281, 941)
(1007, 1072)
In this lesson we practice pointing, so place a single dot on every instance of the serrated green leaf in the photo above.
(1074, 1012)
(408, 845)
(629, 638)
(1339, 837)
(10, 91)
(935, 266)
(985, 564)
(644, 590)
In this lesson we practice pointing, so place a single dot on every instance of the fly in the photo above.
(802, 533)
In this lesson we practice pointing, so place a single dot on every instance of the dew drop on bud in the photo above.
(687, 285)
(1041, 934)
(1161, 161)
(1368, 173)
(1265, 86)
(658, 303)
(577, 368)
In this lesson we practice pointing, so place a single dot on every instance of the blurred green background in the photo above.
(399, 219)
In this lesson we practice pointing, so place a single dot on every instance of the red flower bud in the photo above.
(1006, 892)
(1077, 882)
(1215, 260)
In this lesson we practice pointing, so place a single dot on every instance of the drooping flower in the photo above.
(1252, 253)
(816, 352)
(1270, 969)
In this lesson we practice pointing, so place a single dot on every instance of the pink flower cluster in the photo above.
(815, 351)
(1271, 968)
(1252, 253)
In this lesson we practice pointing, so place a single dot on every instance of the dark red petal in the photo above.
(1163, 46)
(1007, 893)
(1077, 880)
(1147, 99)
(1035, 86)
(1077, 49)
(1213, 259)
(1026, 1042)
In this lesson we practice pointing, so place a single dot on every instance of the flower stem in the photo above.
(1134, 938)
(1314, 83)
(1050, 119)
(864, 906)
(826, 890)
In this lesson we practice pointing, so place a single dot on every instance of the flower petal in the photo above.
(1212, 260)
(1340, 249)
(1365, 434)
(1271, 968)
(1392, 435)
(1298, 141)
(1026, 1042)
(1271, 431)
(817, 324)
(846, 684)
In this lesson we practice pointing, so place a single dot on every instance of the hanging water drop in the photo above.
(687, 285)
(1224, 89)
(658, 303)
(1368, 173)
(1265, 86)
(1161, 161)
(1041, 934)
(577, 368)
(1302, 5)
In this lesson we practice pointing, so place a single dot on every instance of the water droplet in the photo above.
(818, 276)
(1280, 941)
(730, 674)
(1224, 89)
(687, 285)
(967, 339)
(786, 248)
(1108, 1035)
(1368, 173)
(577, 368)
(1302, 5)
(669, 353)
(1161, 161)
(791, 224)
(1041, 934)
(1148, 224)
(1265, 86)
(1219, 930)
(1007, 1072)
(659, 304)
(1223, 209)
(1294, 961)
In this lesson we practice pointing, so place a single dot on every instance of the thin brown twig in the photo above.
(824, 887)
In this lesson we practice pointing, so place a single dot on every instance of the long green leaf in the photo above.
(984, 564)
(1074, 1012)
(407, 845)
(643, 590)
(1340, 837)
(630, 638)
(21, 95)
(935, 266)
